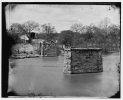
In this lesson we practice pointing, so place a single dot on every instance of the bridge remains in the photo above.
(82, 60)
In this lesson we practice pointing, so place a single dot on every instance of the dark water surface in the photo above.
(44, 76)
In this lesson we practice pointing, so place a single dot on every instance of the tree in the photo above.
(29, 26)
(49, 31)
(66, 38)
(104, 24)
(16, 28)
(78, 42)
(15, 31)
(114, 34)
(79, 28)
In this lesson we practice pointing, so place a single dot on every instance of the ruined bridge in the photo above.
(77, 60)
(82, 60)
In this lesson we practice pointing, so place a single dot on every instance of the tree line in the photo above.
(105, 35)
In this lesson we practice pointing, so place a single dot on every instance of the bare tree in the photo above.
(29, 26)
(104, 24)
(79, 28)
(48, 29)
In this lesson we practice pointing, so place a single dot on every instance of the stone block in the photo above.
(82, 60)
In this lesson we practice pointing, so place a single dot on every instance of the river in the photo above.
(44, 76)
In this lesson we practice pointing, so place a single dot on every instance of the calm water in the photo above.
(44, 76)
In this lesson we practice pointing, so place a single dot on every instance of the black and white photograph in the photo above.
(61, 49)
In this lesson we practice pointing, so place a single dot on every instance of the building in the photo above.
(24, 38)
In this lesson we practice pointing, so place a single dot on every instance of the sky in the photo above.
(62, 16)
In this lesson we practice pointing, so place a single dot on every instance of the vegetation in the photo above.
(25, 28)
(66, 38)
(48, 31)
(105, 35)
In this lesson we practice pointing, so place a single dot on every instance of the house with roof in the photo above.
(24, 38)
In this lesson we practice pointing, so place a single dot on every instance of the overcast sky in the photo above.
(62, 16)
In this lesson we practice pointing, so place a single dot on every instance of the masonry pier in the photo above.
(82, 60)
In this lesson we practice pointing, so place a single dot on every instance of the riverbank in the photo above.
(22, 56)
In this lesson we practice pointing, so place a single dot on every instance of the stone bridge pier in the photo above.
(82, 60)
